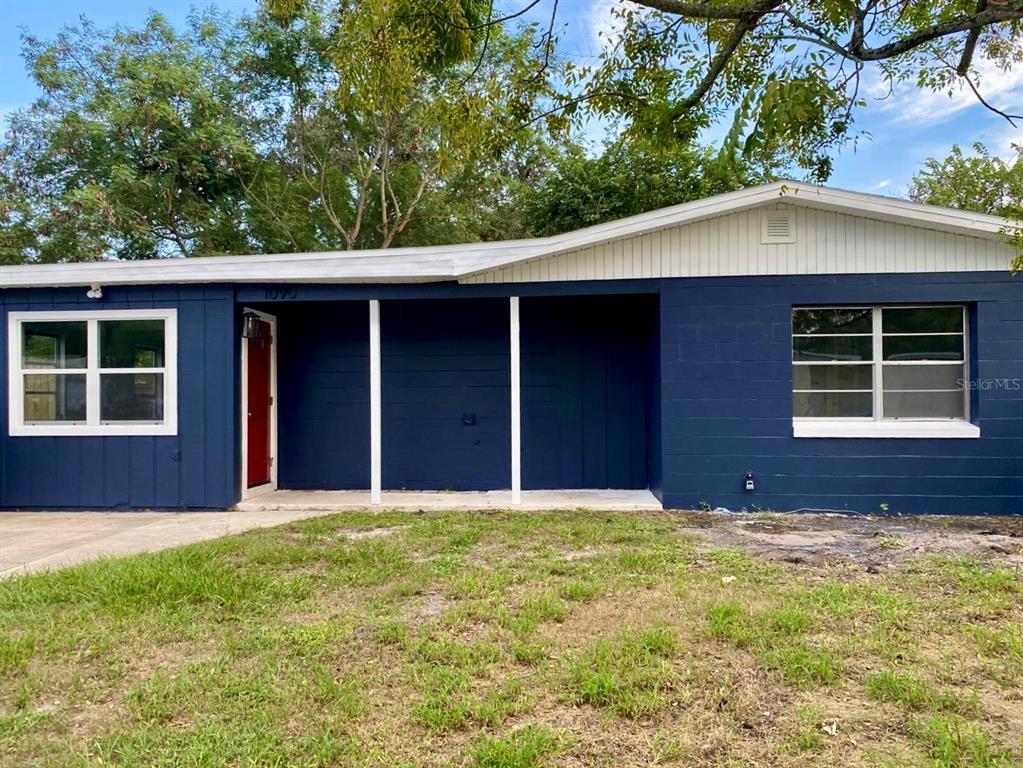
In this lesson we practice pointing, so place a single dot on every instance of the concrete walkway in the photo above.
(33, 541)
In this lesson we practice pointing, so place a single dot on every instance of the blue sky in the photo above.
(906, 128)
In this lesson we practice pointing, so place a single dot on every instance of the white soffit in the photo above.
(453, 262)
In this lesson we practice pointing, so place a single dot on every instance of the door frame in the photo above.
(246, 492)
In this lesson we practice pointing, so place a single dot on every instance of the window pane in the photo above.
(832, 377)
(821, 348)
(131, 343)
(922, 320)
(835, 320)
(54, 397)
(53, 345)
(923, 347)
(923, 377)
(131, 397)
(924, 405)
(832, 404)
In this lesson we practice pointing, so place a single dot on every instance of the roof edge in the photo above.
(453, 262)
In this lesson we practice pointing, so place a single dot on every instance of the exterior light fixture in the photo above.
(250, 326)
(95, 292)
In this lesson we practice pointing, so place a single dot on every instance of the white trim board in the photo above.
(895, 428)
(375, 419)
(462, 262)
(248, 493)
(516, 401)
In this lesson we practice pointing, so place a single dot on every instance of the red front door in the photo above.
(259, 402)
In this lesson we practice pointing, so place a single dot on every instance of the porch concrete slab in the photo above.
(34, 541)
(533, 501)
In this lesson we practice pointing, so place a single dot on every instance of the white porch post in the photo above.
(516, 405)
(374, 401)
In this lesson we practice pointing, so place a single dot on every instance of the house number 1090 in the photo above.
(281, 292)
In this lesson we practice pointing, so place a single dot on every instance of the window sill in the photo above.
(94, 430)
(887, 429)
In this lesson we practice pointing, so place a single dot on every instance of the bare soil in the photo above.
(873, 542)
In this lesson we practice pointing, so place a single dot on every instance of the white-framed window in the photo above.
(93, 372)
(885, 371)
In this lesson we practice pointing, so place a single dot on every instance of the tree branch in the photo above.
(976, 92)
(1010, 11)
(705, 11)
(1006, 10)
(406, 217)
(724, 53)
(966, 59)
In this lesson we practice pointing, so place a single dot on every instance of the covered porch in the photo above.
(537, 402)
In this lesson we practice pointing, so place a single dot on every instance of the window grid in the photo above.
(878, 364)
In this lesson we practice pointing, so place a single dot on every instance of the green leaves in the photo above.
(311, 125)
(788, 77)
(977, 182)
(135, 150)
(630, 177)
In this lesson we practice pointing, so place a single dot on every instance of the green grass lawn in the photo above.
(507, 640)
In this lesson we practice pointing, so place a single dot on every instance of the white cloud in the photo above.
(909, 103)
(604, 26)
(1000, 141)
(883, 184)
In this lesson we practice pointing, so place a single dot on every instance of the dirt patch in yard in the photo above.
(432, 605)
(371, 533)
(873, 542)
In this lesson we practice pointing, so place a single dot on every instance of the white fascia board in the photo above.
(211, 270)
(425, 264)
(893, 209)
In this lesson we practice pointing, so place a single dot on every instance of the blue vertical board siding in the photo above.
(323, 395)
(726, 380)
(443, 361)
(197, 468)
(587, 383)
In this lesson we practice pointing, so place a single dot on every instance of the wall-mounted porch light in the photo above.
(250, 326)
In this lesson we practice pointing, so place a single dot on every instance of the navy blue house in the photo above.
(784, 347)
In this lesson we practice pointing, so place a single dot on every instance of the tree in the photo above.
(341, 125)
(789, 72)
(136, 148)
(402, 129)
(978, 182)
(629, 177)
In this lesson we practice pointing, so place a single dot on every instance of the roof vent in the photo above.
(777, 226)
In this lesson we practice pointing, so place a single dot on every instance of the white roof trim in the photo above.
(451, 262)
